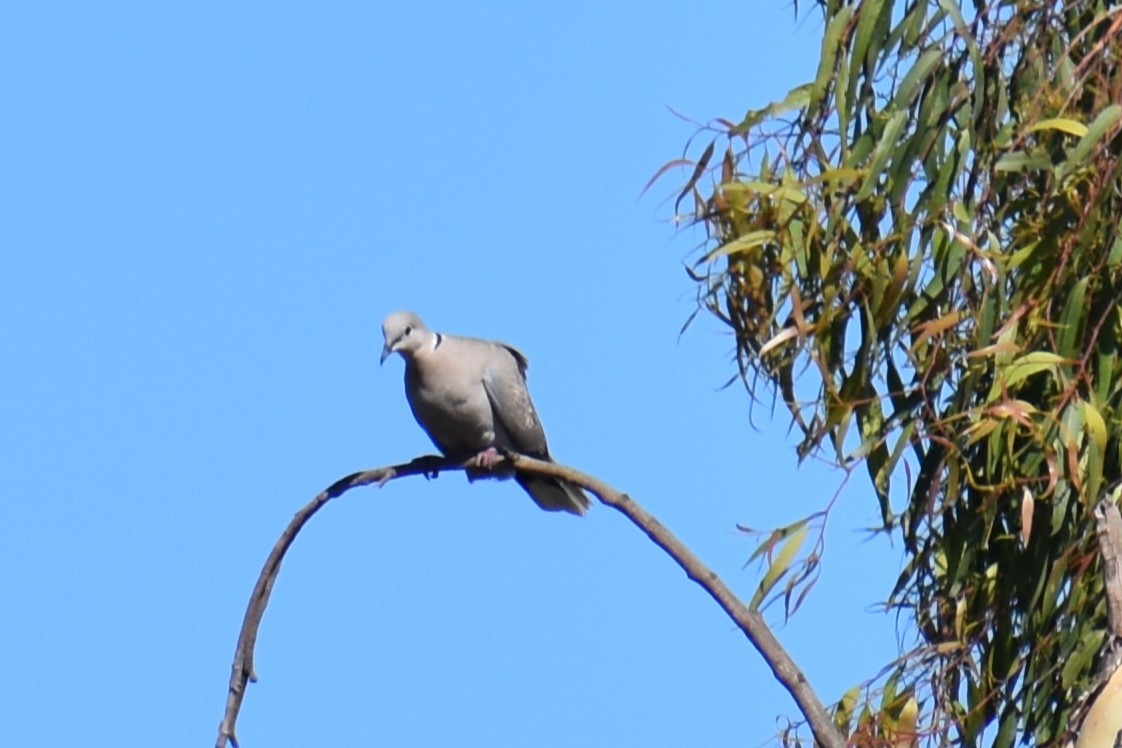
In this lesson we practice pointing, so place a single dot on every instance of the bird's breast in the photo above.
(456, 414)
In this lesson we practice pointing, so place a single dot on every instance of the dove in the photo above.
(471, 398)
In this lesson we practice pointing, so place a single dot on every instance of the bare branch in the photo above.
(1097, 714)
(749, 621)
(1108, 523)
(242, 669)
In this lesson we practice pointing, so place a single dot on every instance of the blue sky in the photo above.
(207, 208)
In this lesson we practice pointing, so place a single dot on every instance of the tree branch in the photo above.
(1097, 715)
(1108, 525)
(749, 621)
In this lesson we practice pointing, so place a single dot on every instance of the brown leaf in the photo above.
(698, 170)
(665, 168)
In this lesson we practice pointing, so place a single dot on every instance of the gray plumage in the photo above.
(470, 397)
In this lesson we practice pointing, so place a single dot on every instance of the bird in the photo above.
(470, 396)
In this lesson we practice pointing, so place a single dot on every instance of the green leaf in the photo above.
(831, 45)
(749, 241)
(1024, 367)
(1021, 161)
(1106, 120)
(797, 99)
(873, 18)
(1070, 126)
(886, 146)
(1106, 363)
(1080, 661)
(843, 713)
(1022, 255)
(863, 38)
(841, 175)
(1116, 248)
(788, 191)
(1094, 424)
(915, 76)
(1095, 452)
(1070, 321)
(779, 565)
(1007, 732)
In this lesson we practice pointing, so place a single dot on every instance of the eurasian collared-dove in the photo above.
(470, 396)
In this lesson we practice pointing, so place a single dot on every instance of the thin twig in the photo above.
(749, 621)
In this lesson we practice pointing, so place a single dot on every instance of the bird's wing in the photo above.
(516, 421)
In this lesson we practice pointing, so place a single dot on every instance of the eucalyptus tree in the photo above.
(919, 253)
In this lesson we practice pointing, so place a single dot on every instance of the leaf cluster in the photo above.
(919, 254)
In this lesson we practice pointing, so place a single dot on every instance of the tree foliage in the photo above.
(920, 255)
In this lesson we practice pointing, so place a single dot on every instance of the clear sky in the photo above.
(205, 211)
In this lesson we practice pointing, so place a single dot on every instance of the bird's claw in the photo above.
(487, 459)
(429, 466)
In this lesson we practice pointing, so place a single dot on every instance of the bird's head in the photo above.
(404, 333)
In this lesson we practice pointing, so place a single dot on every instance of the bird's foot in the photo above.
(491, 463)
(429, 465)
(387, 476)
(487, 459)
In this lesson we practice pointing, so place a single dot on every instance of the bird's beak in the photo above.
(386, 351)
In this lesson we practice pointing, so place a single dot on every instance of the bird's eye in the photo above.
(408, 329)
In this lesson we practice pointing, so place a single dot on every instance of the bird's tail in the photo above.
(554, 495)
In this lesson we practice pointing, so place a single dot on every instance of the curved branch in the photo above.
(749, 621)
(242, 670)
